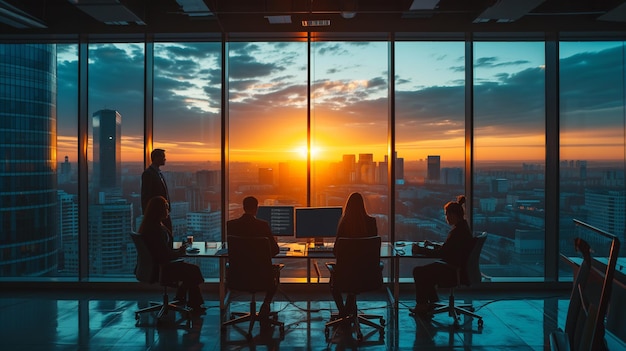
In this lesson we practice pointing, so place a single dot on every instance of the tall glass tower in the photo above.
(107, 150)
(28, 184)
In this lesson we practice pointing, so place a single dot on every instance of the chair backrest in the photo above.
(584, 324)
(358, 268)
(146, 269)
(473, 274)
(249, 264)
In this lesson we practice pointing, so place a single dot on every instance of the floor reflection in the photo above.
(103, 321)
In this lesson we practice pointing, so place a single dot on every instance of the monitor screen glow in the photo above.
(317, 222)
(280, 219)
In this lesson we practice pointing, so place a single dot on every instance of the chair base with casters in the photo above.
(148, 271)
(251, 317)
(164, 307)
(353, 319)
(468, 276)
(455, 311)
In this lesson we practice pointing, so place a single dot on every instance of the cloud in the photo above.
(269, 77)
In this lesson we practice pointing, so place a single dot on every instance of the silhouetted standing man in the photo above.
(153, 184)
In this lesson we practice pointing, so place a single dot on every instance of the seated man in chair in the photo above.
(249, 225)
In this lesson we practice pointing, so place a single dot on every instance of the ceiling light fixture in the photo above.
(315, 23)
(503, 11)
(423, 5)
(195, 8)
(278, 19)
(110, 12)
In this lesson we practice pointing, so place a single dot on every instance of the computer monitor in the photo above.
(317, 223)
(280, 219)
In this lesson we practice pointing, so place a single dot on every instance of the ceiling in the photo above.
(93, 17)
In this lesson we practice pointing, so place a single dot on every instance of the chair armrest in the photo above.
(330, 266)
(559, 341)
(172, 261)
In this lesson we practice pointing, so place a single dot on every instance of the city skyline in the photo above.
(348, 112)
(265, 88)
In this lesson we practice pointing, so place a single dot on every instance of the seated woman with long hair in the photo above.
(355, 222)
(157, 239)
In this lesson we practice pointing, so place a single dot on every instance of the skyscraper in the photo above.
(107, 150)
(366, 169)
(434, 168)
(28, 184)
(67, 208)
(110, 224)
(348, 171)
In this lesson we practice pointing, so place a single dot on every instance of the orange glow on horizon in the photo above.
(288, 144)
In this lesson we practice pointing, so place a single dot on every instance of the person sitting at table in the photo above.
(250, 226)
(453, 253)
(157, 238)
(355, 222)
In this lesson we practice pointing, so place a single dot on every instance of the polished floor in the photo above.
(49, 319)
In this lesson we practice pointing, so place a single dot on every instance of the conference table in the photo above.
(302, 251)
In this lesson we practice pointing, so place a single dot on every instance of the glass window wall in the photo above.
(267, 143)
(187, 125)
(592, 128)
(67, 158)
(430, 139)
(267, 108)
(115, 107)
(509, 158)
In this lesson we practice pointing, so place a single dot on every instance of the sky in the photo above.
(267, 100)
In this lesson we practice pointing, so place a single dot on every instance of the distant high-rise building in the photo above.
(452, 176)
(110, 225)
(67, 212)
(208, 179)
(399, 168)
(205, 225)
(382, 172)
(348, 172)
(266, 176)
(284, 177)
(107, 150)
(28, 190)
(583, 169)
(434, 168)
(65, 176)
(605, 210)
(500, 185)
(366, 169)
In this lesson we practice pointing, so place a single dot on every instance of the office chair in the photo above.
(148, 271)
(250, 269)
(591, 293)
(357, 269)
(470, 276)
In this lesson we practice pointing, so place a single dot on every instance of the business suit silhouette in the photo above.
(153, 185)
(249, 226)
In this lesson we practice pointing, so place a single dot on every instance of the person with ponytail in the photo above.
(453, 253)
